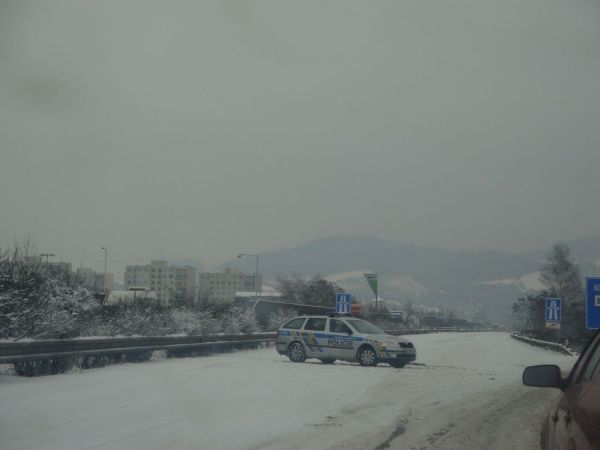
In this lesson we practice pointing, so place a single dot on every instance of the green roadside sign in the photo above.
(372, 280)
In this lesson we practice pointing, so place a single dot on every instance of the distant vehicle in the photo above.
(356, 309)
(573, 421)
(346, 338)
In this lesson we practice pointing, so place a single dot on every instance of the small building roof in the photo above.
(244, 294)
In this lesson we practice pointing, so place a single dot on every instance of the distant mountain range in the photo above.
(486, 280)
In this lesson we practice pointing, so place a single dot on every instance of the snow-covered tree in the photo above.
(278, 318)
(37, 302)
(529, 314)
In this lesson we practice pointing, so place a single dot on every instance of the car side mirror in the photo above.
(543, 376)
(349, 332)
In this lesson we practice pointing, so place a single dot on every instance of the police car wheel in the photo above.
(367, 357)
(296, 352)
(328, 361)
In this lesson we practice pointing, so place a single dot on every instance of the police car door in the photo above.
(313, 336)
(339, 340)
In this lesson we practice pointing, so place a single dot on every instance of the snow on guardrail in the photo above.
(56, 356)
(15, 351)
(553, 346)
(437, 330)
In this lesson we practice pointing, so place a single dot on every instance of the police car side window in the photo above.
(294, 324)
(315, 324)
(337, 326)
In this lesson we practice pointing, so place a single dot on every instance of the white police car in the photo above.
(346, 338)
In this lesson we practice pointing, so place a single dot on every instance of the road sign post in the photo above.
(372, 280)
(553, 313)
(592, 308)
(343, 302)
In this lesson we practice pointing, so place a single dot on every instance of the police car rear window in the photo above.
(294, 324)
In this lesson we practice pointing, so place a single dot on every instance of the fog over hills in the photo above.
(487, 280)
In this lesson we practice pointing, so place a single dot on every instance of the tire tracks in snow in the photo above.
(511, 418)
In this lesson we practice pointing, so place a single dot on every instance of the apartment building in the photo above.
(96, 281)
(169, 282)
(222, 286)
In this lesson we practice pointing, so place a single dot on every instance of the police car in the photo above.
(346, 338)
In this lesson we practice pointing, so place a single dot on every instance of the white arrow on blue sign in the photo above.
(553, 310)
(342, 303)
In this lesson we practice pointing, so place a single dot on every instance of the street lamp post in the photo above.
(105, 261)
(241, 255)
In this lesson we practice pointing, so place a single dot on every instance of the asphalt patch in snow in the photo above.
(400, 429)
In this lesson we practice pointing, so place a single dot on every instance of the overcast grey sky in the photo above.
(202, 129)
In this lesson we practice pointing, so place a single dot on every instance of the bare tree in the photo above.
(315, 291)
(561, 277)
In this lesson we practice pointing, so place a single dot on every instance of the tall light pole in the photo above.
(105, 261)
(241, 255)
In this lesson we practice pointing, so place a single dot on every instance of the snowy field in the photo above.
(464, 392)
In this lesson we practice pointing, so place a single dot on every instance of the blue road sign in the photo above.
(553, 310)
(592, 309)
(342, 303)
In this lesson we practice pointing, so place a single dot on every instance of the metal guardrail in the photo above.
(15, 352)
(435, 330)
(544, 344)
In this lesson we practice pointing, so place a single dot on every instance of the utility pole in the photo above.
(105, 261)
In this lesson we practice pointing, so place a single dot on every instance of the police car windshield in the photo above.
(364, 327)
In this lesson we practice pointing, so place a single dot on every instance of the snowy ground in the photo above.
(464, 392)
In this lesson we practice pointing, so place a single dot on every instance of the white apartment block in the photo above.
(222, 286)
(169, 282)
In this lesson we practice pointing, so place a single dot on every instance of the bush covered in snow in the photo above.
(238, 320)
(40, 303)
(278, 318)
(36, 302)
(158, 320)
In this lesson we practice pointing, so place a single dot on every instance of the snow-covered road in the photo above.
(463, 392)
